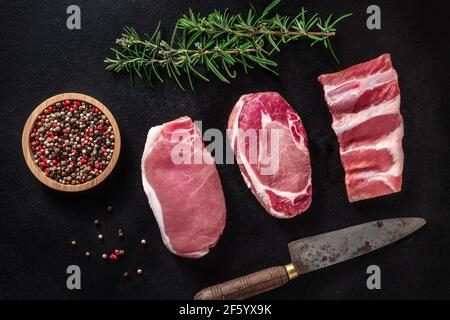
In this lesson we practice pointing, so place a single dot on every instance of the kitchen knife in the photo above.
(314, 253)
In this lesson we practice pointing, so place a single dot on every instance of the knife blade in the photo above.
(320, 251)
(314, 253)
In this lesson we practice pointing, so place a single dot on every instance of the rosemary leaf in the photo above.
(219, 41)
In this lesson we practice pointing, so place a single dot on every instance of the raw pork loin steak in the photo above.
(186, 198)
(364, 101)
(285, 191)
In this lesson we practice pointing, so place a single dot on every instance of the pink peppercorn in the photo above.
(112, 257)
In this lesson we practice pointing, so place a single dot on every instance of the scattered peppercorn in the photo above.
(87, 254)
(100, 237)
(72, 142)
(125, 274)
(122, 252)
(109, 209)
(97, 222)
(140, 271)
(112, 256)
(73, 243)
(120, 233)
(104, 256)
(143, 242)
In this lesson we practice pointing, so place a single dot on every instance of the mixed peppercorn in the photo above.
(115, 254)
(72, 141)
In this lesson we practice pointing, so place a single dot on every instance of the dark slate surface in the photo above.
(40, 57)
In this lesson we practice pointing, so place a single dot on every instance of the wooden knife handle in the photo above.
(249, 285)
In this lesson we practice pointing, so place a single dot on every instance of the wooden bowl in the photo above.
(37, 171)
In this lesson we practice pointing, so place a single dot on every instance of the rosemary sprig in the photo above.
(216, 43)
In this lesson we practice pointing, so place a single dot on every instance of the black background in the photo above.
(40, 57)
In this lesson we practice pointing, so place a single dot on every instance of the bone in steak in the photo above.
(285, 191)
(364, 101)
(186, 198)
